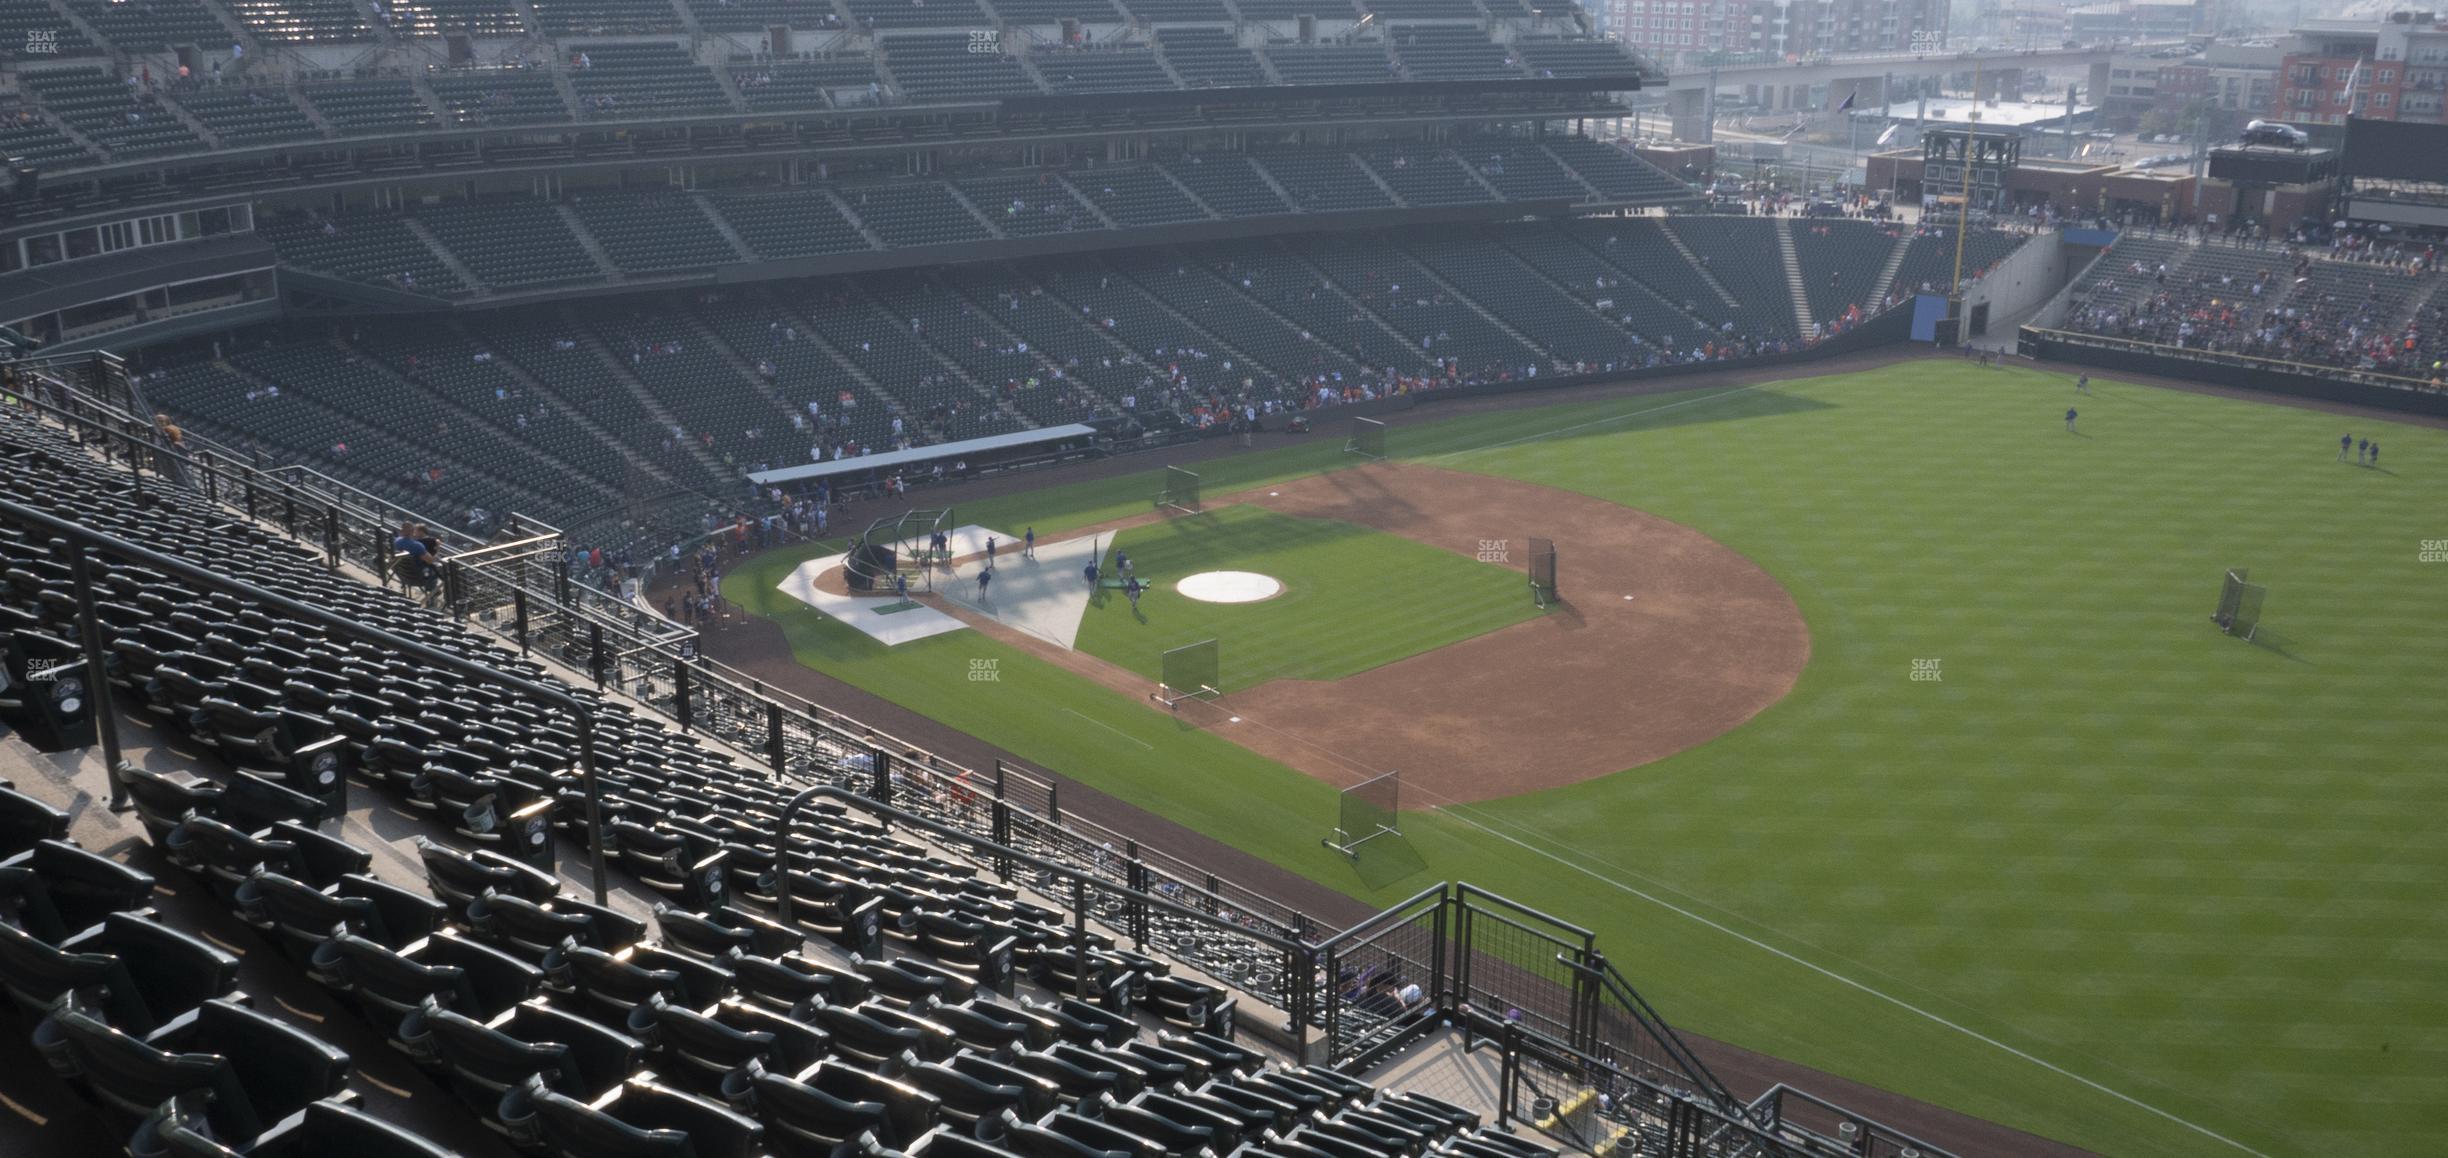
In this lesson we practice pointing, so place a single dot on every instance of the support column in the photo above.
(1689, 110)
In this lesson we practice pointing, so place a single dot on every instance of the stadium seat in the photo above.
(182, 1128)
(142, 974)
(254, 1070)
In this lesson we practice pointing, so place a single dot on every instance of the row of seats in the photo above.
(519, 244)
(646, 79)
(910, 1006)
(546, 408)
(2267, 302)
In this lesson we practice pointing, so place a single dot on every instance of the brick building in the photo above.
(1779, 28)
(2403, 60)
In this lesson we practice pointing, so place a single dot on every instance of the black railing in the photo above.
(83, 542)
(1590, 1104)
(1500, 970)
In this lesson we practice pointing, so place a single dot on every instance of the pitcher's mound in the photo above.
(1230, 587)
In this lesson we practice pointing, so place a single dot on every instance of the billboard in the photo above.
(2393, 150)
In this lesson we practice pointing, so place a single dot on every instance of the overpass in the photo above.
(1690, 93)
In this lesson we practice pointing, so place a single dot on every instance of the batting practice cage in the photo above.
(902, 543)
(2239, 606)
(1181, 491)
(1366, 811)
(1367, 438)
(1191, 672)
(1542, 571)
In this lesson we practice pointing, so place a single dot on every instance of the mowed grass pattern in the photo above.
(2114, 878)
(1353, 599)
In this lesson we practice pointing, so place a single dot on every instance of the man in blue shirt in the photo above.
(2069, 420)
(416, 555)
(2345, 443)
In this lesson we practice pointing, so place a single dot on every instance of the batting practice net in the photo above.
(1366, 811)
(1542, 571)
(896, 544)
(2239, 605)
(1181, 491)
(1191, 672)
(1367, 438)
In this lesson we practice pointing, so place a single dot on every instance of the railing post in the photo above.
(881, 762)
(680, 691)
(1585, 998)
(790, 812)
(773, 737)
(594, 801)
(1508, 1071)
(97, 675)
(249, 476)
(595, 654)
(1135, 877)
(518, 612)
(1079, 938)
(999, 830)
(331, 537)
(561, 579)
(1054, 804)
(1436, 965)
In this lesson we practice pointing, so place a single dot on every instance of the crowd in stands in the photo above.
(670, 401)
(2344, 299)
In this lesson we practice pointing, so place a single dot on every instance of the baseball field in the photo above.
(1882, 725)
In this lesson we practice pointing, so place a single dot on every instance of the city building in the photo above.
(1688, 29)
(2394, 68)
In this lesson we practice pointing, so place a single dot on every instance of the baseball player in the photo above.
(1028, 543)
(2345, 443)
(985, 576)
(2069, 420)
(1122, 564)
(2082, 384)
(1132, 588)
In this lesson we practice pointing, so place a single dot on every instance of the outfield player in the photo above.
(1091, 572)
(1122, 564)
(1028, 543)
(2069, 420)
(1132, 588)
(2082, 383)
(2362, 449)
(2375, 454)
(2345, 443)
(985, 576)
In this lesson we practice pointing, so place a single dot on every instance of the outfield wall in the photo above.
(2234, 370)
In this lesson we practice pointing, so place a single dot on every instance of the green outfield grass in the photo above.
(1353, 598)
(2110, 871)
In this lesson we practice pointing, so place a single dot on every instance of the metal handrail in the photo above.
(81, 538)
(2243, 361)
(1300, 957)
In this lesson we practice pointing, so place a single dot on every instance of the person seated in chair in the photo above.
(418, 556)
